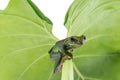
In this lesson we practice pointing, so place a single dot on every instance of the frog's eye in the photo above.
(72, 39)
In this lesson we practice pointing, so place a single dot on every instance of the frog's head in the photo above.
(76, 41)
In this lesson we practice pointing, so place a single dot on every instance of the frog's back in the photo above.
(59, 43)
(58, 47)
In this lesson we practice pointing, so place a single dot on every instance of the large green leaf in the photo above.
(25, 38)
(99, 21)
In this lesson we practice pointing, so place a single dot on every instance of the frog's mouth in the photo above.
(75, 45)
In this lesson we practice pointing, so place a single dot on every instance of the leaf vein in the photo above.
(30, 65)
(19, 50)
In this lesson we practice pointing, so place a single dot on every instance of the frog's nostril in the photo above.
(83, 37)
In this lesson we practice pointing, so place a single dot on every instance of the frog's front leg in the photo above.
(69, 53)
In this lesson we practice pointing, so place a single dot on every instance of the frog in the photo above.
(63, 50)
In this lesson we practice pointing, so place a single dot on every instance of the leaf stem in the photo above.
(67, 71)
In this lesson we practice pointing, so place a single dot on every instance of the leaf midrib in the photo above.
(22, 49)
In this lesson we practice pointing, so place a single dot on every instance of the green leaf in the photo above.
(99, 21)
(25, 38)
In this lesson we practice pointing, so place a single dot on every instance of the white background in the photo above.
(55, 10)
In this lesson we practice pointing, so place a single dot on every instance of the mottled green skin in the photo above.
(63, 49)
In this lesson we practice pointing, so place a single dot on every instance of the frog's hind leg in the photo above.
(55, 56)
(50, 51)
(58, 63)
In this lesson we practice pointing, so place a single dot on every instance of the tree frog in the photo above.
(63, 50)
